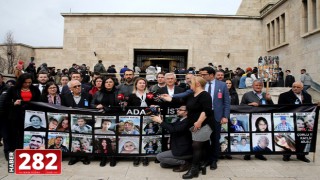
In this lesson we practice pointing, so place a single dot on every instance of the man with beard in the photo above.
(126, 87)
(36, 142)
(42, 78)
(58, 144)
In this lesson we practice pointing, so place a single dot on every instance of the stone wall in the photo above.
(207, 38)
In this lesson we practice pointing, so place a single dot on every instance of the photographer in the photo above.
(181, 142)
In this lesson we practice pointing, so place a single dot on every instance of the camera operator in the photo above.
(180, 143)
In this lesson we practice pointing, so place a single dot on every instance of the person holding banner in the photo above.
(256, 98)
(15, 103)
(295, 96)
(51, 94)
(76, 97)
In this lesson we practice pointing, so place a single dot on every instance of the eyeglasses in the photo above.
(76, 86)
(52, 88)
(181, 110)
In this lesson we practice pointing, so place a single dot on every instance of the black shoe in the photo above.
(103, 162)
(247, 157)
(183, 167)
(228, 156)
(221, 157)
(286, 158)
(193, 172)
(203, 170)
(304, 159)
(86, 161)
(113, 162)
(136, 161)
(156, 161)
(261, 157)
(72, 161)
(145, 161)
(213, 165)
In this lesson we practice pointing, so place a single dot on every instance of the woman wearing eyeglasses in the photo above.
(51, 94)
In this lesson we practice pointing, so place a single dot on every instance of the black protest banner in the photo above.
(131, 132)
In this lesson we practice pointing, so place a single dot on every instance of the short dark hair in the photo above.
(38, 136)
(35, 116)
(100, 61)
(288, 70)
(210, 70)
(163, 73)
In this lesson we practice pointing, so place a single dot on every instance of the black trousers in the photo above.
(215, 144)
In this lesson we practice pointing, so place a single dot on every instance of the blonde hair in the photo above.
(198, 79)
(136, 82)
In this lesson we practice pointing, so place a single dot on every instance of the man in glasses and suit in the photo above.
(76, 98)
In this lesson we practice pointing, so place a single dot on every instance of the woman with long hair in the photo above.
(106, 97)
(51, 94)
(63, 125)
(234, 98)
(261, 125)
(286, 142)
(200, 114)
(139, 94)
(16, 101)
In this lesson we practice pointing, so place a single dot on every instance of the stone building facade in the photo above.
(285, 28)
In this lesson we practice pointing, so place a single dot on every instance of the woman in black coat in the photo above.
(16, 102)
(234, 98)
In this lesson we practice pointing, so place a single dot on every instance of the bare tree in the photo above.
(11, 51)
(2, 64)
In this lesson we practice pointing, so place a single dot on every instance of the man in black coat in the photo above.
(180, 142)
(295, 96)
(289, 79)
(76, 97)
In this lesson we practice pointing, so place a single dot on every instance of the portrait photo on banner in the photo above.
(305, 121)
(105, 144)
(81, 123)
(284, 142)
(261, 122)
(151, 144)
(262, 142)
(58, 122)
(105, 124)
(224, 142)
(129, 125)
(81, 143)
(34, 140)
(239, 122)
(170, 118)
(150, 127)
(283, 122)
(35, 121)
(129, 145)
(58, 140)
(239, 142)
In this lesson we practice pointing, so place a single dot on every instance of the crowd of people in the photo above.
(203, 99)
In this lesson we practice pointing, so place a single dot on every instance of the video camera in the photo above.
(153, 111)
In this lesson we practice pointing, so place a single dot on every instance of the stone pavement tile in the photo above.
(49, 177)
(303, 171)
(312, 178)
(255, 171)
(16, 177)
(272, 178)
(152, 171)
(215, 178)
(221, 172)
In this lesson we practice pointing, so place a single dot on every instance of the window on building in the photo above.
(276, 32)
(310, 16)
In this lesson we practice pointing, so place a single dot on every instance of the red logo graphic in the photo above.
(47, 161)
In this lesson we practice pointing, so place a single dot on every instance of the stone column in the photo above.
(310, 16)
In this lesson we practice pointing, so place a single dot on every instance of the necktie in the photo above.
(209, 89)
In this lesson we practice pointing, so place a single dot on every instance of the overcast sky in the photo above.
(39, 23)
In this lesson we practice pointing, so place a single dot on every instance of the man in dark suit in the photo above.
(295, 96)
(170, 88)
(79, 99)
(75, 76)
(180, 142)
(42, 78)
(221, 107)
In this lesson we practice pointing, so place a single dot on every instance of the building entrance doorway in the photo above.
(167, 59)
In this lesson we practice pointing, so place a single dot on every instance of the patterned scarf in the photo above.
(57, 98)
